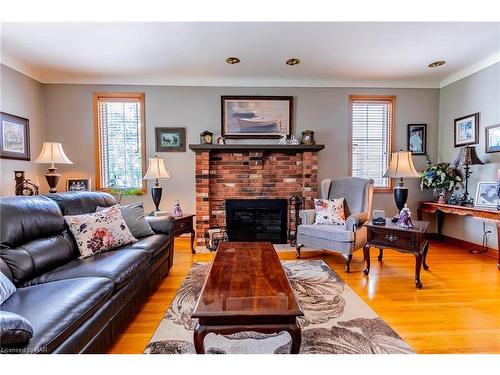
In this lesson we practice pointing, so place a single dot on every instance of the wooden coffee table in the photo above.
(246, 290)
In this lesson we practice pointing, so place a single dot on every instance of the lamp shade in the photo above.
(156, 170)
(52, 153)
(401, 166)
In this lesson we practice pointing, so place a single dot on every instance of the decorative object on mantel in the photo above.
(24, 186)
(492, 143)
(170, 139)
(260, 147)
(294, 141)
(283, 140)
(466, 130)
(206, 138)
(177, 212)
(487, 195)
(52, 153)
(417, 139)
(14, 137)
(307, 137)
(156, 171)
(467, 156)
(256, 116)
(221, 140)
(440, 178)
(401, 166)
(78, 184)
(404, 220)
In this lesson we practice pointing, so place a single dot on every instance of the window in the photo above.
(120, 142)
(372, 120)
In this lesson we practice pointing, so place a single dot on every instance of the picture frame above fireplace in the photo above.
(254, 117)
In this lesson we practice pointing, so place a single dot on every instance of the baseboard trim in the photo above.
(463, 244)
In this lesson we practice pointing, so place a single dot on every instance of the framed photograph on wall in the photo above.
(487, 194)
(466, 130)
(14, 137)
(78, 184)
(417, 139)
(170, 139)
(256, 116)
(492, 143)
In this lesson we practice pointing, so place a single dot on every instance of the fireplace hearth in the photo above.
(257, 220)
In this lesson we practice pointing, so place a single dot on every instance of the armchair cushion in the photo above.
(355, 221)
(336, 233)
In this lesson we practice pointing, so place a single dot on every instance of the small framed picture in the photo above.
(466, 130)
(417, 139)
(492, 143)
(78, 184)
(487, 194)
(170, 139)
(14, 137)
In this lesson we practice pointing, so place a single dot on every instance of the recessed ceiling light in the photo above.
(293, 61)
(435, 64)
(232, 60)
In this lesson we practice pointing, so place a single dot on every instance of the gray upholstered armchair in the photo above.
(345, 239)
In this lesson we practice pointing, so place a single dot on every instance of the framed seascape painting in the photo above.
(487, 194)
(417, 139)
(14, 137)
(170, 139)
(256, 116)
(492, 143)
(466, 130)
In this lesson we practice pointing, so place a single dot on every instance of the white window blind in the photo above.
(120, 142)
(371, 139)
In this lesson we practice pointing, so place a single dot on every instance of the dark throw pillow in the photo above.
(133, 214)
(14, 329)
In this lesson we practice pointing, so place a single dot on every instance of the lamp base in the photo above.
(52, 178)
(156, 195)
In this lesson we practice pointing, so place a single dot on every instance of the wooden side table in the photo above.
(390, 236)
(184, 224)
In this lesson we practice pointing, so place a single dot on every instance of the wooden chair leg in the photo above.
(298, 247)
(348, 259)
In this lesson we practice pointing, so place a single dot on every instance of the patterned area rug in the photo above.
(336, 320)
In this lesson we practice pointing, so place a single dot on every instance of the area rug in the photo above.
(336, 320)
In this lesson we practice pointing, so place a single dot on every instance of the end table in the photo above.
(184, 224)
(411, 241)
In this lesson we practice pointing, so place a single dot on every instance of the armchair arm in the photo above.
(355, 221)
(307, 216)
(160, 224)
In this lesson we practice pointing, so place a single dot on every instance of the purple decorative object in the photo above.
(177, 209)
(405, 218)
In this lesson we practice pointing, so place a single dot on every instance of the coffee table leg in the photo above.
(418, 264)
(296, 334)
(366, 253)
(380, 254)
(199, 335)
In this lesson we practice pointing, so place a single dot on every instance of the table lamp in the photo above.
(401, 166)
(467, 156)
(52, 153)
(156, 171)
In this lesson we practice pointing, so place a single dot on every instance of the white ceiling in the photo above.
(376, 54)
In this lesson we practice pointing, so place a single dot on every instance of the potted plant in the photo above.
(119, 192)
(440, 178)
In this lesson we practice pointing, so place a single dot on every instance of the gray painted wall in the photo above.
(69, 116)
(479, 92)
(23, 96)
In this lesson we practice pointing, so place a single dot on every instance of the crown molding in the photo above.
(471, 69)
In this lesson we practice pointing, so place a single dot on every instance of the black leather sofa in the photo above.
(75, 306)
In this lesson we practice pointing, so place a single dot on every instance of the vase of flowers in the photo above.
(440, 178)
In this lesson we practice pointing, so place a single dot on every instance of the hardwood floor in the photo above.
(457, 311)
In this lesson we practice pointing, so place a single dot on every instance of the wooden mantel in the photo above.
(260, 147)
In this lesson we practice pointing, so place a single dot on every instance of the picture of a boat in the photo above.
(260, 121)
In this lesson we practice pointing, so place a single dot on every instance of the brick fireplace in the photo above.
(251, 172)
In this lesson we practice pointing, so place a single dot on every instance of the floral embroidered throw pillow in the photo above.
(329, 211)
(99, 231)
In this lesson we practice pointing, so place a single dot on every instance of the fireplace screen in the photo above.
(257, 220)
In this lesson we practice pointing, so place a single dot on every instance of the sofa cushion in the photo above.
(329, 232)
(160, 224)
(118, 266)
(55, 310)
(27, 218)
(6, 288)
(81, 202)
(154, 244)
(15, 330)
(133, 214)
(36, 257)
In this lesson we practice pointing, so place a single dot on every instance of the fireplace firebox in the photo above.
(257, 220)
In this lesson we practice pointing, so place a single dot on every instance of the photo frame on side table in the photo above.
(466, 130)
(487, 194)
(417, 139)
(170, 139)
(78, 184)
(14, 137)
(492, 142)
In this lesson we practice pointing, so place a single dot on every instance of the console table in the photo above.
(441, 208)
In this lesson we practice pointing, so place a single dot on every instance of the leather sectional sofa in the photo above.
(75, 306)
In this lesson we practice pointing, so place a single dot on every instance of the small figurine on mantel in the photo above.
(283, 140)
(405, 218)
(293, 140)
(221, 140)
(177, 209)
